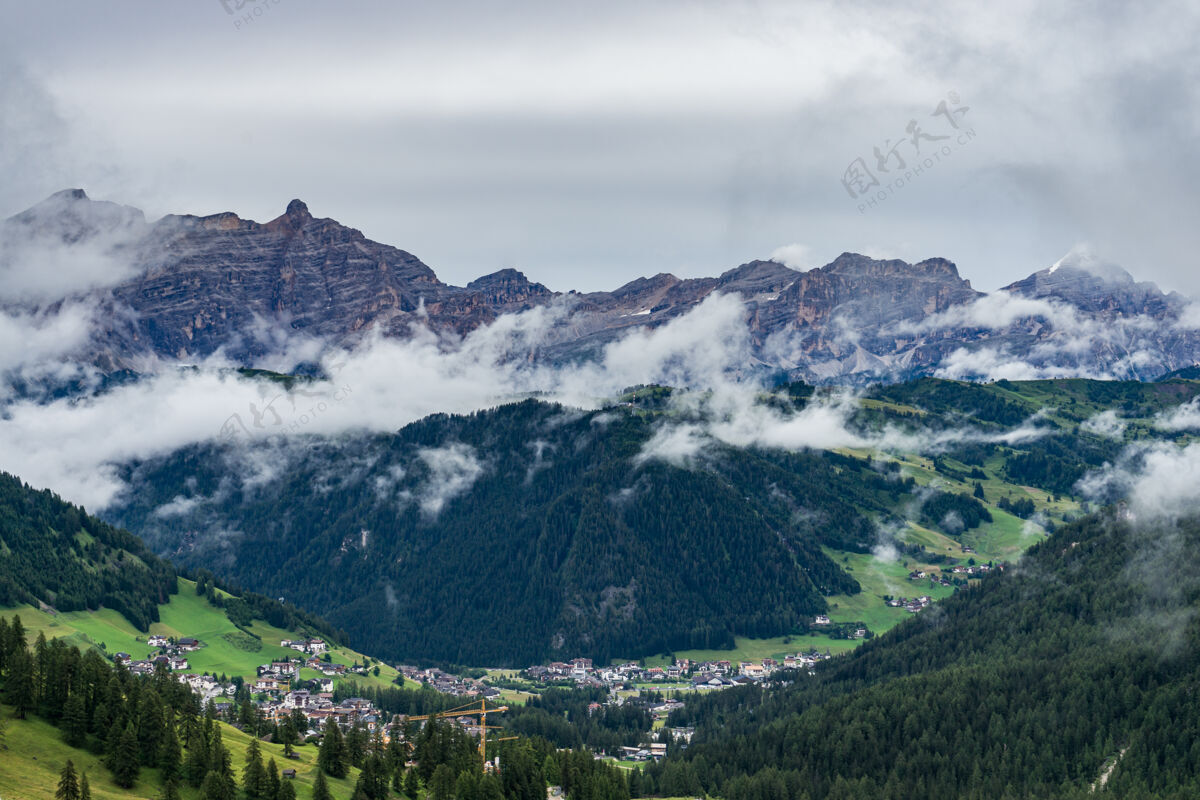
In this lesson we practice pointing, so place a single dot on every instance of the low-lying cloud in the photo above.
(453, 469)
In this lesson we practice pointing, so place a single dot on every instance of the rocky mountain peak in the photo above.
(857, 264)
(1091, 284)
(69, 194)
(292, 220)
(297, 209)
(507, 286)
(938, 267)
(72, 216)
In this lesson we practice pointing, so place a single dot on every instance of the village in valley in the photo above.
(279, 693)
(684, 674)
(304, 686)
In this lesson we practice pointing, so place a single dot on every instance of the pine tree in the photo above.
(220, 769)
(332, 756)
(254, 775)
(356, 744)
(412, 785)
(441, 785)
(68, 783)
(124, 761)
(3, 643)
(272, 783)
(150, 727)
(490, 788)
(216, 788)
(19, 683)
(16, 635)
(75, 721)
(286, 791)
(373, 778)
(550, 771)
(170, 790)
(285, 734)
(195, 766)
(321, 788)
(85, 789)
(170, 759)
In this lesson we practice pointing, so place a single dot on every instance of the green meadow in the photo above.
(35, 755)
(227, 650)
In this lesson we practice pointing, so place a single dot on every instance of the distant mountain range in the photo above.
(196, 285)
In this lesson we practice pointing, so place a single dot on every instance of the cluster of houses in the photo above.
(972, 571)
(313, 647)
(172, 653)
(920, 574)
(444, 682)
(823, 619)
(913, 605)
(976, 571)
(207, 686)
(584, 673)
(693, 674)
(319, 708)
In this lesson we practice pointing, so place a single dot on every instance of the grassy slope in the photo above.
(185, 615)
(1004, 539)
(30, 767)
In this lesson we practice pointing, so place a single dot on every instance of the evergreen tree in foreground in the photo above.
(321, 788)
(68, 783)
(412, 784)
(286, 791)
(75, 721)
(272, 781)
(254, 776)
(218, 783)
(124, 760)
(170, 759)
(85, 790)
(332, 757)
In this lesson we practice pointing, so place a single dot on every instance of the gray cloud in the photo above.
(682, 137)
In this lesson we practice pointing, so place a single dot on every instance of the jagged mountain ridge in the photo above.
(222, 283)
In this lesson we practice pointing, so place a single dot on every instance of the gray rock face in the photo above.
(203, 284)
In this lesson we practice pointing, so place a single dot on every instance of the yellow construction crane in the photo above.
(478, 708)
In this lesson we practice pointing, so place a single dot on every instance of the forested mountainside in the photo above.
(1077, 669)
(53, 552)
(532, 530)
(58, 557)
(511, 534)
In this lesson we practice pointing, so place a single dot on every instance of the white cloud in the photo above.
(1159, 480)
(795, 256)
(1189, 317)
(453, 469)
(178, 507)
(990, 362)
(1106, 424)
(1181, 418)
(31, 338)
(678, 445)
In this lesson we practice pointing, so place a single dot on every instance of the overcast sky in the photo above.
(589, 143)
